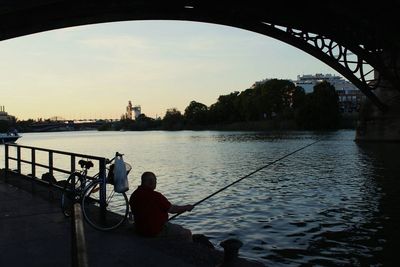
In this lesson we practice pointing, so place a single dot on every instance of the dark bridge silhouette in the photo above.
(358, 40)
(66, 125)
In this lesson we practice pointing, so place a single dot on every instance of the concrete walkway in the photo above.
(34, 232)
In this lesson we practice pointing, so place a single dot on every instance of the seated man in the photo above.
(150, 210)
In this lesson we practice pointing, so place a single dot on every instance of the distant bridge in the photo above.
(358, 39)
(67, 125)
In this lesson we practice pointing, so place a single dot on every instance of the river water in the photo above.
(334, 203)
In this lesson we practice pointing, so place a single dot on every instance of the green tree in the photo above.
(226, 108)
(298, 100)
(173, 119)
(277, 97)
(273, 98)
(298, 97)
(146, 123)
(321, 108)
(248, 105)
(196, 113)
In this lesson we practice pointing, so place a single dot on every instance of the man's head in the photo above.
(149, 180)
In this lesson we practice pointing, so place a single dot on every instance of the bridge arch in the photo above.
(353, 47)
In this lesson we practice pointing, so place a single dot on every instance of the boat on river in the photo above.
(9, 137)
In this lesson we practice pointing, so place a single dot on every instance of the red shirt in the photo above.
(150, 210)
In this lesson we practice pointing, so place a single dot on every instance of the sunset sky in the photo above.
(93, 71)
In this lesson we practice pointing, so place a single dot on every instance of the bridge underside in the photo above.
(359, 40)
(375, 124)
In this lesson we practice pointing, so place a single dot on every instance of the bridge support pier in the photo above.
(376, 125)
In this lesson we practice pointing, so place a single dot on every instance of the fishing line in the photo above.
(246, 176)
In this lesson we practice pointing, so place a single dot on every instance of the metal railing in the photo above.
(79, 253)
(32, 161)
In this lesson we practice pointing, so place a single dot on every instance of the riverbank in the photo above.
(348, 121)
(36, 233)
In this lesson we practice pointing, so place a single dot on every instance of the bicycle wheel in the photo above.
(71, 192)
(114, 212)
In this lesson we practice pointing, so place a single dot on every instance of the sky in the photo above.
(92, 71)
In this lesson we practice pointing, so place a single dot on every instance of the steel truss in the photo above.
(369, 66)
(365, 69)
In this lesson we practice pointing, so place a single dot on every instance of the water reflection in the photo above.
(386, 166)
(320, 208)
(235, 137)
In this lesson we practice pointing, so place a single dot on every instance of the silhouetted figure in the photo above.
(150, 210)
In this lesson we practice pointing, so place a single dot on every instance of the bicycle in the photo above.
(86, 190)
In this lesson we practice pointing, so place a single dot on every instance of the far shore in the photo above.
(348, 121)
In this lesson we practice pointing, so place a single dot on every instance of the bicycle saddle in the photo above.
(85, 164)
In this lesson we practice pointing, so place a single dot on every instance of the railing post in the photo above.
(72, 163)
(33, 166)
(18, 159)
(50, 162)
(72, 171)
(33, 162)
(102, 177)
(6, 163)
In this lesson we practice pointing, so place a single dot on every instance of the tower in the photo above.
(136, 111)
(129, 110)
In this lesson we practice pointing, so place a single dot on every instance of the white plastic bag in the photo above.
(120, 176)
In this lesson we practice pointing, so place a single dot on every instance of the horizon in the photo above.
(92, 71)
(60, 118)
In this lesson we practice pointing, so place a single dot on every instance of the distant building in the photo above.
(350, 97)
(308, 82)
(132, 112)
(137, 111)
(128, 113)
(4, 115)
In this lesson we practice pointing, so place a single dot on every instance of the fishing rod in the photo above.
(246, 176)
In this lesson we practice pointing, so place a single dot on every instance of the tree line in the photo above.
(274, 100)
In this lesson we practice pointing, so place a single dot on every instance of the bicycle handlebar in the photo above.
(117, 154)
